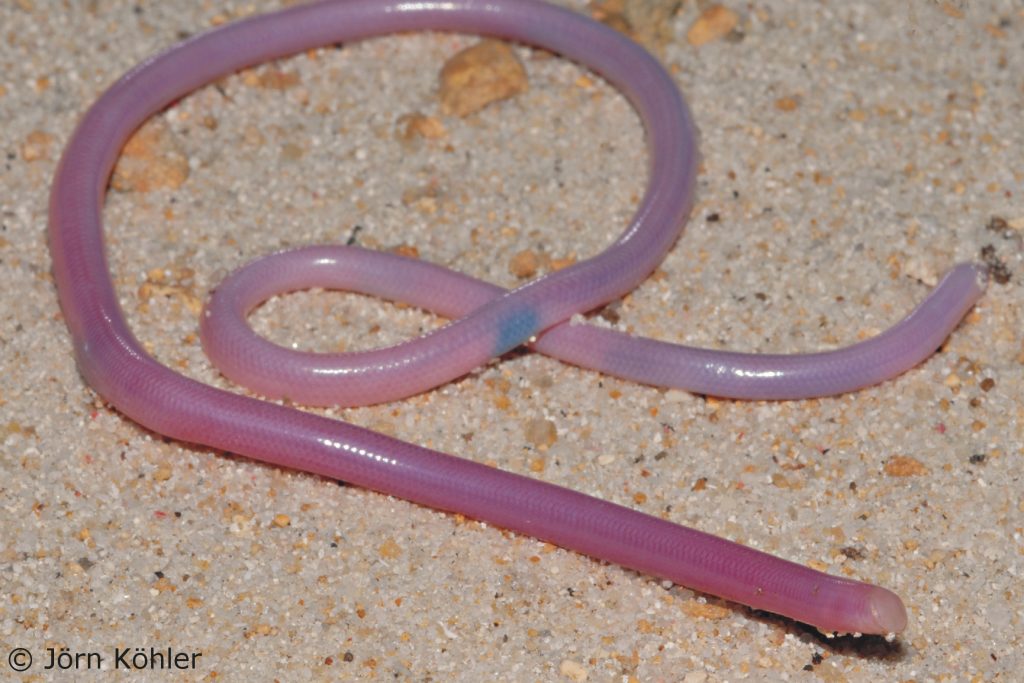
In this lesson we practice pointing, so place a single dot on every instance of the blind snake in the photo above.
(487, 320)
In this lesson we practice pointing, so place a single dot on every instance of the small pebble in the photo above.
(408, 251)
(540, 432)
(389, 549)
(904, 466)
(574, 671)
(152, 160)
(479, 75)
(713, 23)
(787, 103)
(705, 610)
(37, 146)
(416, 125)
(649, 22)
(524, 264)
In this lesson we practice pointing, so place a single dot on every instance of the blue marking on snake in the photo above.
(516, 329)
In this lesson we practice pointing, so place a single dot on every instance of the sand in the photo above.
(851, 153)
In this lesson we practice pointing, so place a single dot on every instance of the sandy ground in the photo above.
(852, 152)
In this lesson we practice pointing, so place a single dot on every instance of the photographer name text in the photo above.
(124, 659)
